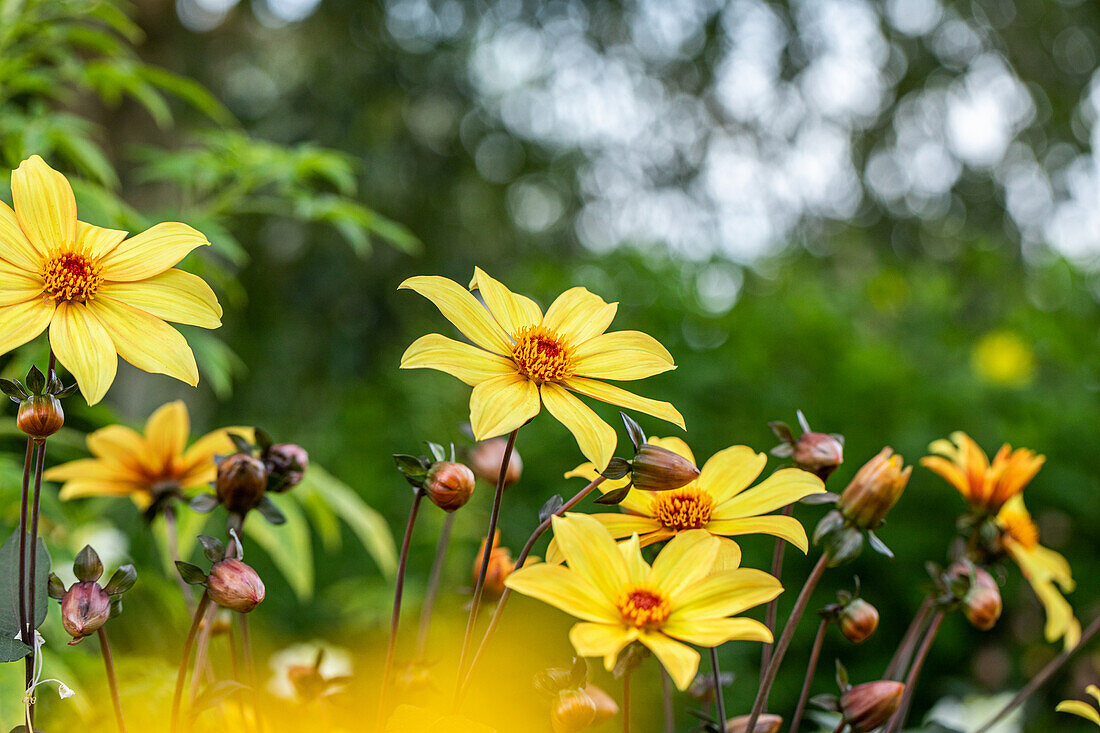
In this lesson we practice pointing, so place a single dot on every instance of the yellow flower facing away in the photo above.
(1083, 709)
(522, 359)
(1004, 359)
(143, 467)
(985, 486)
(688, 596)
(718, 501)
(100, 294)
(1044, 569)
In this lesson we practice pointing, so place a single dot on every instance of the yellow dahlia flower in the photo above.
(145, 467)
(718, 501)
(1082, 709)
(101, 295)
(522, 359)
(985, 486)
(1044, 569)
(687, 597)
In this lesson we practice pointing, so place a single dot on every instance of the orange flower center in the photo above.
(71, 276)
(1019, 527)
(542, 355)
(681, 509)
(643, 605)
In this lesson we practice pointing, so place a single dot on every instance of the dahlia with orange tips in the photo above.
(985, 486)
(522, 359)
(688, 596)
(100, 294)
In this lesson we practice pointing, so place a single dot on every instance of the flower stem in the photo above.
(250, 671)
(914, 673)
(479, 585)
(520, 560)
(1044, 674)
(432, 591)
(395, 619)
(174, 554)
(24, 616)
(181, 675)
(773, 606)
(201, 649)
(900, 661)
(841, 727)
(768, 678)
(811, 670)
(719, 697)
(626, 701)
(666, 696)
(108, 663)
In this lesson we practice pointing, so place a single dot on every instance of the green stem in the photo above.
(108, 663)
(900, 661)
(666, 697)
(914, 673)
(434, 579)
(24, 617)
(626, 701)
(174, 554)
(772, 613)
(719, 697)
(811, 670)
(250, 671)
(181, 674)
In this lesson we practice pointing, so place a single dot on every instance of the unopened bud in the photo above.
(84, 609)
(241, 482)
(818, 453)
(858, 620)
(573, 711)
(766, 723)
(867, 706)
(606, 707)
(486, 458)
(982, 603)
(658, 469)
(234, 585)
(449, 485)
(500, 566)
(40, 416)
(286, 462)
(877, 486)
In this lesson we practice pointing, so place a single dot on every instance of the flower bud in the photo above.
(486, 458)
(449, 485)
(572, 711)
(766, 723)
(84, 608)
(286, 462)
(241, 482)
(858, 620)
(40, 416)
(982, 603)
(659, 469)
(818, 453)
(234, 585)
(867, 706)
(606, 707)
(877, 486)
(500, 566)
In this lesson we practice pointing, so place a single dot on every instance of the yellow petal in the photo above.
(725, 593)
(730, 471)
(84, 347)
(14, 245)
(173, 295)
(729, 555)
(717, 631)
(463, 310)
(122, 445)
(167, 431)
(785, 486)
(80, 489)
(44, 205)
(680, 661)
(595, 437)
(685, 560)
(624, 525)
(591, 551)
(622, 398)
(92, 469)
(96, 242)
(502, 404)
(564, 589)
(151, 252)
(621, 355)
(1080, 709)
(21, 322)
(18, 285)
(777, 525)
(636, 565)
(601, 640)
(197, 466)
(146, 341)
(469, 363)
(579, 315)
(1094, 691)
(512, 311)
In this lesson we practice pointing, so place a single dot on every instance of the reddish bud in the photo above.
(818, 453)
(659, 469)
(286, 462)
(241, 482)
(40, 416)
(449, 485)
(877, 486)
(500, 566)
(84, 609)
(858, 620)
(867, 706)
(486, 458)
(234, 585)
(766, 723)
(982, 603)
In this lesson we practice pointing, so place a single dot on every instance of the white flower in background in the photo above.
(307, 670)
(111, 544)
(973, 711)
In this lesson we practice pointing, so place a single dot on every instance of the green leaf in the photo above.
(288, 546)
(213, 549)
(122, 581)
(367, 524)
(191, 574)
(9, 585)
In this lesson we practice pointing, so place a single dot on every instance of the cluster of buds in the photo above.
(972, 588)
(230, 583)
(448, 484)
(246, 478)
(856, 618)
(487, 457)
(86, 605)
(500, 565)
(575, 703)
(653, 468)
(862, 508)
(818, 453)
(40, 414)
(864, 707)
